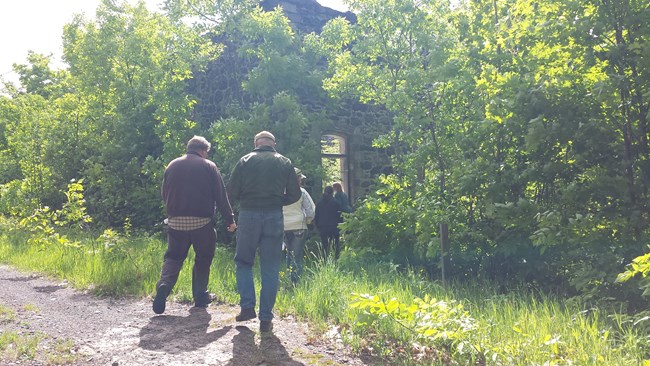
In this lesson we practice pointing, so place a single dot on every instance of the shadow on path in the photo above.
(48, 289)
(269, 352)
(20, 278)
(179, 334)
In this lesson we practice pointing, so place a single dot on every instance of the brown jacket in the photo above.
(192, 186)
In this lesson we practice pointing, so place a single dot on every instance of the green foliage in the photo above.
(43, 222)
(74, 209)
(280, 90)
(15, 346)
(129, 69)
(435, 320)
(41, 227)
(28, 128)
(513, 328)
(14, 200)
(37, 78)
(113, 245)
(506, 115)
(6, 314)
(387, 226)
(522, 125)
(640, 266)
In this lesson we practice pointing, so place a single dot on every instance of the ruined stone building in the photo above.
(354, 125)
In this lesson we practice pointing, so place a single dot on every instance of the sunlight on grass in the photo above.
(15, 346)
(62, 353)
(516, 328)
(31, 308)
(6, 314)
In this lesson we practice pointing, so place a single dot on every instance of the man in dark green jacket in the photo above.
(263, 181)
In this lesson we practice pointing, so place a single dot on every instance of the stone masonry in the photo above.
(359, 124)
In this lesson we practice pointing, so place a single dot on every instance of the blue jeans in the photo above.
(295, 241)
(261, 229)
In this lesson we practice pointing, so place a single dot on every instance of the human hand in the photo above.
(232, 227)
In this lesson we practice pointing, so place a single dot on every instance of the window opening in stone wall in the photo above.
(334, 160)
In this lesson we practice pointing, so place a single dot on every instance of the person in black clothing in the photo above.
(342, 197)
(328, 216)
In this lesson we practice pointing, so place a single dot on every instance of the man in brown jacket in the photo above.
(192, 188)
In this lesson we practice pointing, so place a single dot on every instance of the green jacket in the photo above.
(263, 179)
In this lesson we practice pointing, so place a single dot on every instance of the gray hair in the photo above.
(198, 143)
(264, 138)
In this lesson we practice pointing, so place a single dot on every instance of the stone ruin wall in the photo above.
(220, 85)
(360, 124)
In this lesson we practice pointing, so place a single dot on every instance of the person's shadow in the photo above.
(178, 334)
(269, 352)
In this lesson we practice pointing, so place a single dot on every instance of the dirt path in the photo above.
(126, 332)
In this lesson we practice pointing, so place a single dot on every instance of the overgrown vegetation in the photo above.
(399, 317)
(521, 125)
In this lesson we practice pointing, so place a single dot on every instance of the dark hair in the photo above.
(329, 191)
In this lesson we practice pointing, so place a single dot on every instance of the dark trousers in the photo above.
(295, 242)
(330, 235)
(204, 241)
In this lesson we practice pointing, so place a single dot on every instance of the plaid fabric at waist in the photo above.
(187, 223)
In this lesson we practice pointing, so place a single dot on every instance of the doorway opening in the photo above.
(334, 160)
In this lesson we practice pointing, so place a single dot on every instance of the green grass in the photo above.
(14, 346)
(61, 353)
(31, 308)
(517, 328)
(6, 314)
(18, 347)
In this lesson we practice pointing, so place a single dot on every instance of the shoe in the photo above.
(160, 300)
(266, 326)
(206, 302)
(246, 314)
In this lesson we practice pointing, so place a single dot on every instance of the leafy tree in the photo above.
(280, 90)
(37, 77)
(522, 125)
(129, 69)
(507, 125)
(28, 140)
(400, 56)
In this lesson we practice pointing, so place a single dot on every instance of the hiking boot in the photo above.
(246, 314)
(266, 326)
(206, 301)
(160, 300)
